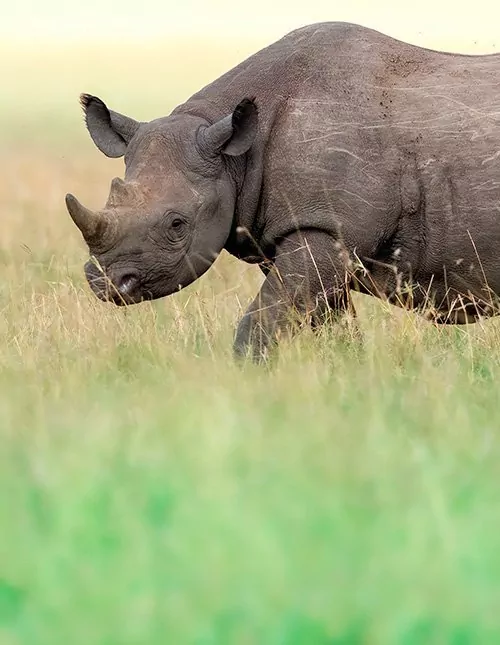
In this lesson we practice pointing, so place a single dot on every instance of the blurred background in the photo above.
(39, 20)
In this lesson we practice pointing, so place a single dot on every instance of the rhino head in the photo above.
(166, 222)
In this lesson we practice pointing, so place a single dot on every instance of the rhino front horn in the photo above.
(87, 221)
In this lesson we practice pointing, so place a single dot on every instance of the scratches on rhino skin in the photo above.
(347, 152)
(490, 184)
(355, 195)
(492, 158)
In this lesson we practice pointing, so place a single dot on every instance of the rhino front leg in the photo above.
(308, 279)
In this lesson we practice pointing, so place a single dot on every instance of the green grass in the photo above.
(154, 492)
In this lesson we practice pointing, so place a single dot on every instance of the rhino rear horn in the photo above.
(234, 134)
(87, 221)
(110, 131)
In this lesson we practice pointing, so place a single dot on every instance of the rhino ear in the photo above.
(110, 131)
(234, 134)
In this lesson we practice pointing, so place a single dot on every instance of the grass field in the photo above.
(153, 492)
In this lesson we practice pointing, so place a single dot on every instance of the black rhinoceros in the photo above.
(337, 158)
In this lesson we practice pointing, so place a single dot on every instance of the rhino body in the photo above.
(337, 158)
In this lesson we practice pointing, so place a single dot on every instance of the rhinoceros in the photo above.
(337, 159)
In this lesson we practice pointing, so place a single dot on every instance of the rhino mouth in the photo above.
(122, 287)
(111, 293)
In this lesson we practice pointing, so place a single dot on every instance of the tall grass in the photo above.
(154, 492)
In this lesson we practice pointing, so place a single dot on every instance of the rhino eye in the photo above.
(176, 227)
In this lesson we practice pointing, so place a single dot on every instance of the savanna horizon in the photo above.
(348, 494)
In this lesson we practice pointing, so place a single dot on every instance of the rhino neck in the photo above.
(246, 173)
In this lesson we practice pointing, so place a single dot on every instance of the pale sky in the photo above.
(420, 21)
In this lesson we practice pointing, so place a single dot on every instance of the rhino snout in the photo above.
(120, 286)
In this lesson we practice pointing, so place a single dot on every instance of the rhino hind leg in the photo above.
(307, 284)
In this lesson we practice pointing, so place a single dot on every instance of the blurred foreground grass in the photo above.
(152, 492)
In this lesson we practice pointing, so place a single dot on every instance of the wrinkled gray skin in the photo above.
(337, 158)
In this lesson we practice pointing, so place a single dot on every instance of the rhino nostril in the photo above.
(126, 283)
